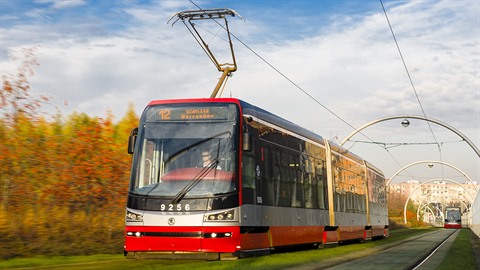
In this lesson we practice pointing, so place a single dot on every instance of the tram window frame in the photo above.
(279, 150)
(321, 177)
(267, 182)
(248, 179)
(284, 192)
(349, 186)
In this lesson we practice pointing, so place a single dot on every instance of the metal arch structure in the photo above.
(429, 162)
(470, 198)
(424, 206)
(431, 180)
(454, 130)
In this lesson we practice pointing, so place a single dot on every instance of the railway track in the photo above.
(436, 256)
(421, 252)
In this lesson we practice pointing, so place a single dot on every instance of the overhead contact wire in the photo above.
(412, 84)
(287, 78)
(301, 89)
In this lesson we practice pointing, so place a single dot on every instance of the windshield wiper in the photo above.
(199, 177)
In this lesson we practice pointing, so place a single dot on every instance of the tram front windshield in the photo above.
(452, 215)
(186, 151)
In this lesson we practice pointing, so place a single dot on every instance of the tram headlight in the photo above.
(222, 216)
(130, 216)
(136, 234)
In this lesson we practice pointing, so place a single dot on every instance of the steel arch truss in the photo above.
(406, 116)
(432, 180)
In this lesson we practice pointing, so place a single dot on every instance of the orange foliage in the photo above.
(63, 182)
(396, 204)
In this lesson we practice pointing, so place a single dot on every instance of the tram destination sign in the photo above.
(191, 113)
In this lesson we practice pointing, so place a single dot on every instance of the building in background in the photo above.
(437, 194)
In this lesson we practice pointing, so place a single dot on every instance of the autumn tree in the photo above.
(17, 108)
(396, 204)
(63, 181)
(15, 96)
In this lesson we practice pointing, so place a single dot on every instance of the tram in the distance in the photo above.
(217, 178)
(453, 217)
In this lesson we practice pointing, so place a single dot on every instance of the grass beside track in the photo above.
(274, 261)
(462, 254)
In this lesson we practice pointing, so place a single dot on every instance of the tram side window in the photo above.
(377, 194)
(347, 188)
(321, 177)
(338, 196)
(360, 193)
(146, 175)
(248, 172)
(296, 182)
(268, 184)
(349, 193)
(372, 186)
(363, 206)
(283, 177)
(248, 179)
(292, 178)
(382, 196)
(309, 183)
(283, 195)
(275, 180)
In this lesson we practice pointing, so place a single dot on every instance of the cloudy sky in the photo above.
(326, 65)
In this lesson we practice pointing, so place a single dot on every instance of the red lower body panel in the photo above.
(228, 239)
(185, 239)
(294, 235)
(252, 241)
(379, 231)
(452, 226)
(351, 232)
(330, 237)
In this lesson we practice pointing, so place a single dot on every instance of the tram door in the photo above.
(248, 173)
(251, 171)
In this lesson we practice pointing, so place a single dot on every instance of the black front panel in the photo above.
(185, 205)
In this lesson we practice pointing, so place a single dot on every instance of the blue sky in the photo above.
(294, 18)
(97, 56)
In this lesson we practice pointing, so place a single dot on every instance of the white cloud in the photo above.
(61, 4)
(351, 66)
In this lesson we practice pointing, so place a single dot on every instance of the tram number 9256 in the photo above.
(176, 207)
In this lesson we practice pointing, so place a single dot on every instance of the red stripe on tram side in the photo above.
(291, 235)
(254, 241)
(351, 232)
(379, 231)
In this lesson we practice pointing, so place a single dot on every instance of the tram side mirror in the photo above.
(247, 141)
(131, 140)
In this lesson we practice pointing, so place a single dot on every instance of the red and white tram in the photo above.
(269, 184)
(453, 217)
